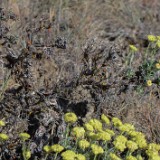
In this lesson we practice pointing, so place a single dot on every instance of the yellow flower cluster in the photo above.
(54, 148)
(78, 132)
(80, 157)
(97, 133)
(120, 142)
(126, 127)
(158, 43)
(24, 136)
(156, 39)
(105, 119)
(114, 157)
(70, 117)
(70, 155)
(88, 127)
(116, 122)
(47, 148)
(3, 137)
(138, 138)
(97, 149)
(96, 124)
(57, 148)
(2, 123)
(104, 136)
(154, 147)
(83, 144)
(153, 155)
(133, 48)
(131, 145)
(111, 132)
(152, 38)
(153, 151)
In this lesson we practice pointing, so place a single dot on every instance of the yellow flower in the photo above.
(104, 136)
(96, 124)
(57, 148)
(114, 156)
(158, 65)
(68, 155)
(92, 136)
(120, 143)
(88, 127)
(105, 119)
(132, 146)
(126, 127)
(83, 144)
(149, 83)
(80, 157)
(130, 157)
(2, 123)
(96, 149)
(152, 38)
(158, 43)
(24, 136)
(135, 133)
(133, 48)
(139, 157)
(27, 154)
(47, 148)
(111, 132)
(154, 147)
(153, 155)
(158, 37)
(70, 117)
(3, 137)
(116, 122)
(78, 132)
(139, 138)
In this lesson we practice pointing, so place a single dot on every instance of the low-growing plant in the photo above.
(104, 138)
(146, 72)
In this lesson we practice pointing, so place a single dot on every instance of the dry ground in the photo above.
(69, 55)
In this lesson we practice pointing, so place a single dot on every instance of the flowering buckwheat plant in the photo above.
(104, 138)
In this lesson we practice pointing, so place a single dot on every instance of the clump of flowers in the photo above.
(78, 132)
(103, 139)
(83, 144)
(68, 155)
(147, 73)
(152, 38)
(70, 117)
(96, 150)
(105, 119)
(96, 124)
